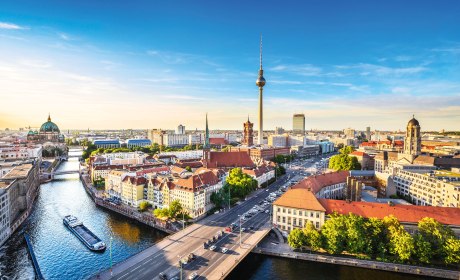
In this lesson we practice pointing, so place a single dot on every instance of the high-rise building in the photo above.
(180, 129)
(279, 130)
(368, 133)
(248, 138)
(413, 140)
(260, 82)
(349, 133)
(298, 123)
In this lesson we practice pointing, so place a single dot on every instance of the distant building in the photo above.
(298, 123)
(279, 130)
(366, 161)
(278, 141)
(131, 143)
(248, 134)
(180, 129)
(368, 133)
(259, 153)
(49, 132)
(106, 144)
(349, 133)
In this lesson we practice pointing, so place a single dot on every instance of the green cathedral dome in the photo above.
(49, 126)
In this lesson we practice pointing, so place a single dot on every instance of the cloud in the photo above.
(402, 58)
(170, 57)
(11, 26)
(298, 69)
(64, 36)
(367, 69)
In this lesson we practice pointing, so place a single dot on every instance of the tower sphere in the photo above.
(260, 82)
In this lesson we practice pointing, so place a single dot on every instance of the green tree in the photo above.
(435, 234)
(376, 238)
(403, 245)
(175, 208)
(452, 250)
(312, 236)
(240, 184)
(188, 168)
(423, 252)
(344, 161)
(356, 235)
(334, 234)
(161, 213)
(144, 205)
(296, 238)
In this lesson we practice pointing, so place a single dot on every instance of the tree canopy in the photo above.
(384, 239)
(343, 161)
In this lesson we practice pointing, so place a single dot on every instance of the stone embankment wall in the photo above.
(401, 268)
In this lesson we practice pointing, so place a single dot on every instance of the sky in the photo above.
(157, 64)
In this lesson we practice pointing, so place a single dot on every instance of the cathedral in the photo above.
(49, 132)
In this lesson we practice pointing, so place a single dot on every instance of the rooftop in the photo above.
(4, 185)
(19, 171)
(317, 182)
(404, 213)
(300, 199)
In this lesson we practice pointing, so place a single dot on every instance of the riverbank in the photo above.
(130, 212)
(284, 251)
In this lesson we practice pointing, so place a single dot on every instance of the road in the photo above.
(164, 256)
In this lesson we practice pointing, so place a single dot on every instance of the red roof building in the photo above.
(228, 160)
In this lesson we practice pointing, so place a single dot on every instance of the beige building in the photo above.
(132, 188)
(427, 188)
(295, 208)
(18, 190)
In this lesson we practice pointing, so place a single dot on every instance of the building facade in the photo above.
(248, 134)
(298, 123)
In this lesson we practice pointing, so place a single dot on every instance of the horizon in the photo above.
(153, 65)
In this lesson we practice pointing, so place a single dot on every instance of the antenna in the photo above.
(260, 51)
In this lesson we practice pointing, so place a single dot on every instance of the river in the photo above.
(62, 256)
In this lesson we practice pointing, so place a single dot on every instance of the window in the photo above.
(317, 215)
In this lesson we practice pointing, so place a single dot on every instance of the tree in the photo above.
(344, 161)
(188, 168)
(312, 236)
(435, 234)
(403, 245)
(356, 237)
(144, 205)
(296, 238)
(452, 250)
(161, 213)
(376, 237)
(240, 184)
(423, 252)
(333, 233)
(175, 208)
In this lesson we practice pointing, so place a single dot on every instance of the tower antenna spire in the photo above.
(260, 51)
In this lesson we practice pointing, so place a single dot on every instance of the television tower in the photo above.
(260, 82)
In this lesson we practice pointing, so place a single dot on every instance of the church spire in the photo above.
(49, 117)
(206, 141)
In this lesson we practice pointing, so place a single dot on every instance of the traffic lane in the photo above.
(224, 219)
(218, 257)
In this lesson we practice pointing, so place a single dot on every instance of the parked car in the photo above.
(193, 276)
(224, 250)
(162, 276)
(213, 248)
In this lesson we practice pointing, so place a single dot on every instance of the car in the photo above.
(266, 211)
(175, 278)
(162, 276)
(213, 248)
(267, 190)
(251, 228)
(228, 229)
(243, 229)
(193, 276)
(224, 250)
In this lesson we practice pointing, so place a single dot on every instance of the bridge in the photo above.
(164, 256)
(50, 175)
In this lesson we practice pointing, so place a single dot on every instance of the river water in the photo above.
(59, 253)
(62, 256)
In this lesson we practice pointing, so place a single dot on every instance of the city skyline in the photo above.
(355, 66)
